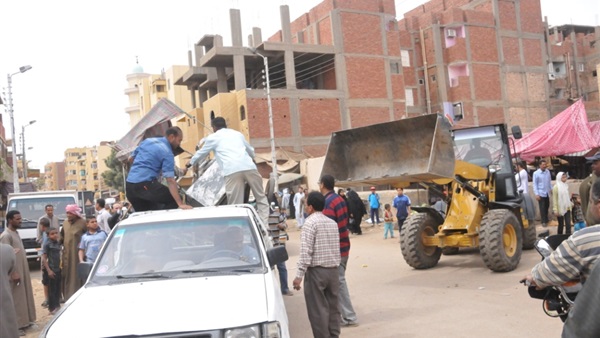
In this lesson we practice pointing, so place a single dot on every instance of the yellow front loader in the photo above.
(474, 164)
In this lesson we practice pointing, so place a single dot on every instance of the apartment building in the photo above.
(81, 169)
(54, 176)
(347, 64)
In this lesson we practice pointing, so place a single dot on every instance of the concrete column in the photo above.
(575, 64)
(440, 65)
(288, 56)
(256, 36)
(199, 51)
(340, 67)
(221, 80)
(203, 96)
(239, 71)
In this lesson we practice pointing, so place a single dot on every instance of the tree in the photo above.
(113, 177)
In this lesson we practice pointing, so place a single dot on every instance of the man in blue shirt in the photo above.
(541, 188)
(374, 204)
(402, 205)
(152, 159)
(235, 157)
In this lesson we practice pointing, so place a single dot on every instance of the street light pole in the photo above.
(25, 178)
(12, 128)
(272, 132)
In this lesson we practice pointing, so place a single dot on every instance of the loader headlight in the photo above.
(269, 330)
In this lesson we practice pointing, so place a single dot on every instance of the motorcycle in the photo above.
(558, 300)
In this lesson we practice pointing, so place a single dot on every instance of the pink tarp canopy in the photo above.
(568, 132)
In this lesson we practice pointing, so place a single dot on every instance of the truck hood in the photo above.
(166, 306)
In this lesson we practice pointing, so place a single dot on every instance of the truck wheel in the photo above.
(500, 240)
(416, 254)
(529, 237)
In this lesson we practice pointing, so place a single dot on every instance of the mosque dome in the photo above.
(137, 69)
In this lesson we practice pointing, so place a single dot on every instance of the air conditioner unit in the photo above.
(551, 76)
(451, 33)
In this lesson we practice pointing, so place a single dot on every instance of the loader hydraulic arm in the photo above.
(464, 183)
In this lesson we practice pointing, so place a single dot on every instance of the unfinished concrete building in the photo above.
(573, 58)
(349, 63)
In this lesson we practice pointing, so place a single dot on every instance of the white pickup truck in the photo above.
(32, 206)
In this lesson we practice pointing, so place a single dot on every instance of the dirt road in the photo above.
(458, 298)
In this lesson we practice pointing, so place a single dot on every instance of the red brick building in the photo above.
(349, 63)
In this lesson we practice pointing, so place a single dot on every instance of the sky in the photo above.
(81, 52)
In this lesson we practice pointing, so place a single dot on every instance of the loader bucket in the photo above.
(418, 149)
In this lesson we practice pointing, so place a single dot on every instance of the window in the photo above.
(160, 88)
(394, 67)
(404, 54)
(581, 67)
(242, 113)
(81, 172)
(410, 101)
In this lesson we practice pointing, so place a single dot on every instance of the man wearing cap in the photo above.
(235, 157)
(374, 204)
(72, 230)
(585, 190)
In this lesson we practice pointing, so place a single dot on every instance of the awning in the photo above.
(568, 132)
(154, 123)
(289, 177)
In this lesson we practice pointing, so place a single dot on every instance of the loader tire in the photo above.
(529, 237)
(416, 254)
(500, 240)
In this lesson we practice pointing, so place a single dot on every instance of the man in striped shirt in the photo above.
(575, 257)
(336, 209)
(319, 259)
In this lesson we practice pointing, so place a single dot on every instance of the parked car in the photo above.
(205, 272)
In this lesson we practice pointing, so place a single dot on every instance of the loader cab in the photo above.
(487, 147)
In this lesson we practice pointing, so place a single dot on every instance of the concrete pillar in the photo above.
(340, 68)
(239, 71)
(221, 80)
(288, 56)
(199, 51)
(256, 36)
(439, 63)
(203, 96)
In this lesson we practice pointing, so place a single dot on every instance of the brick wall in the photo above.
(366, 77)
(319, 117)
(258, 118)
(361, 33)
(365, 116)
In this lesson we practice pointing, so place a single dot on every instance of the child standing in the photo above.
(578, 220)
(388, 221)
(44, 224)
(91, 242)
(51, 261)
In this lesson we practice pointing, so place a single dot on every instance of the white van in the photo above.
(32, 206)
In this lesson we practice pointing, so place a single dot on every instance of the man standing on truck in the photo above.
(153, 158)
(54, 222)
(235, 157)
(542, 187)
(22, 291)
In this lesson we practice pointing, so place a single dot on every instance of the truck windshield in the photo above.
(181, 247)
(33, 208)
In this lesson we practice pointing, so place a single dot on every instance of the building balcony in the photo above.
(132, 109)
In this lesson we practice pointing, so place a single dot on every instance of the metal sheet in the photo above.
(209, 188)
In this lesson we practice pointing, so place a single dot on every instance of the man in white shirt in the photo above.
(103, 215)
(235, 156)
(299, 206)
(522, 179)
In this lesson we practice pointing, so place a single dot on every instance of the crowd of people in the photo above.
(63, 247)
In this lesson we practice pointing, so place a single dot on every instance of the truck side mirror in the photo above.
(277, 255)
(83, 270)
